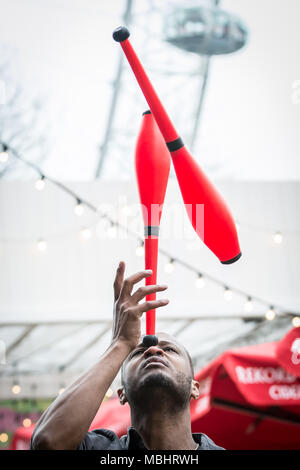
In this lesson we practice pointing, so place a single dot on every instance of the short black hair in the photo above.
(190, 361)
(122, 372)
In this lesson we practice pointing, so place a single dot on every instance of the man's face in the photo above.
(163, 367)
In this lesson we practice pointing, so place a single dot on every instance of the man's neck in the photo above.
(160, 431)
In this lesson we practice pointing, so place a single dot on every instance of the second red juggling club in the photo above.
(219, 232)
(152, 165)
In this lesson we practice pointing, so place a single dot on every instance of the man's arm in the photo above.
(67, 420)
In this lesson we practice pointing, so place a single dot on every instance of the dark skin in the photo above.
(60, 428)
(161, 411)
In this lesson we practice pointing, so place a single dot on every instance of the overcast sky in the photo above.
(62, 51)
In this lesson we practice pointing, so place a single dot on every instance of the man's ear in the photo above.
(122, 396)
(195, 389)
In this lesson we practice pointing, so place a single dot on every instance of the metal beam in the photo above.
(214, 316)
(266, 331)
(276, 415)
(84, 349)
(20, 338)
(184, 327)
(48, 344)
(199, 108)
(206, 63)
(115, 96)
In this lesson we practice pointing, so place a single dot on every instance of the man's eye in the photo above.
(169, 348)
(138, 351)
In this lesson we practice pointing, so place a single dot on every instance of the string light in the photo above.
(169, 267)
(41, 245)
(109, 393)
(27, 422)
(40, 183)
(248, 307)
(16, 388)
(200, 282)
(78, 209)
(85, 234)
(278, 237)
(112, 231)
(3, 437)
(270, 314)
(227, 294)
(296, 322)
(140, 250)
(3, 156)
(61, 389)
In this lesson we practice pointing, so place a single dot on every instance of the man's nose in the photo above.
(152, 350)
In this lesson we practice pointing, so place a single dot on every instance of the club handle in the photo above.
(167, 129)
(151, 252)
(121, 34)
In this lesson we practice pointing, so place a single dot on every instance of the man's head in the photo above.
(164, 371)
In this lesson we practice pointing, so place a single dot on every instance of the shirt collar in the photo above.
(135, 441)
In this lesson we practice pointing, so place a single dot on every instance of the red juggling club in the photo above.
(152, 165)
(219, 231)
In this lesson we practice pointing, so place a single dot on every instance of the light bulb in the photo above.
(277, 237)
(3, 437)
(169, 267)
(227, 294)
(3, 156)
(200, 282)
(296, 322)
(79, 209)
(41, 245)
(139, 250)
(109, 393)
(248, 307)
(40, 183)
(111, 231)
(27, 422)
(270, 314)
(16, 389)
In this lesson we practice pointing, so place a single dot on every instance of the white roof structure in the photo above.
(57, 268)
(56, 303)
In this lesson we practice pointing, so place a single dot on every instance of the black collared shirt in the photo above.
(105, 439)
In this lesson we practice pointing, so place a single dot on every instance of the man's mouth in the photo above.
(154, 361)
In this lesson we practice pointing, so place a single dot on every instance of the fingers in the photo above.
(119, 279)
(131, 280)
(149, 305)
(143, 291)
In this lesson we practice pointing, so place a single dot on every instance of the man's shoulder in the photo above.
(206, 443)
(106, 439)
(101, 439)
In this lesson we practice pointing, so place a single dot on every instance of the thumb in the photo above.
(119, 280)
